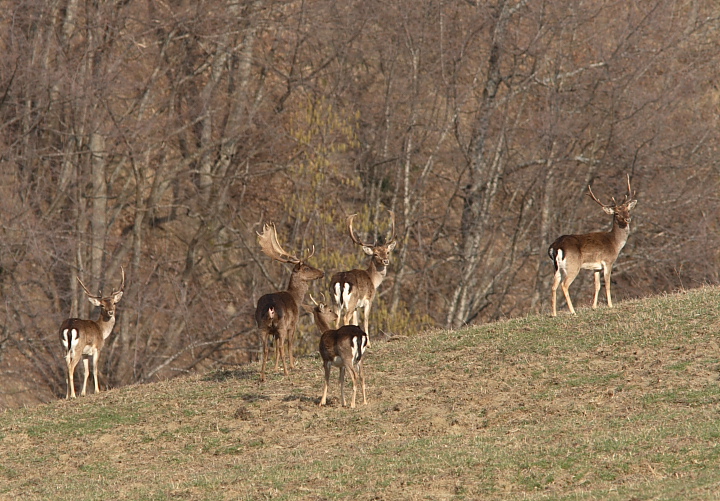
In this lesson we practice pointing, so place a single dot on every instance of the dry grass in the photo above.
(611, 404)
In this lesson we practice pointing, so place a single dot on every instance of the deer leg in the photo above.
(282, 355)
(565, 288)
(354, 383)
(366, 320)
(342, 385)
(86, 366)
(290, 344)
(597, 289)
(276, 345)
(556, 282)
(327, 366)
(608, 271)
(361, 373)
(265, 342)
(95, 357)
(71, 363)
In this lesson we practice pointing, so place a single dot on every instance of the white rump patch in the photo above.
(355, 349)
(72, 342)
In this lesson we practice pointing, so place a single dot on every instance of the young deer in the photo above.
(356, 288)
(85, 338)
(277, 314)
(343, 348)
(591, 251)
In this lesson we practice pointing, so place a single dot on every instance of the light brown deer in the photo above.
(85, 338)
(591, 251)
(277, 313)
(355, 289)
(343, 348)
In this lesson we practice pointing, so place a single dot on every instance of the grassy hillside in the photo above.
(611, 404)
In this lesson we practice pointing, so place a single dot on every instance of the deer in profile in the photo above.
(85, 338)
(277, 313)
(355, 289)
(591, 251)
(343, 348)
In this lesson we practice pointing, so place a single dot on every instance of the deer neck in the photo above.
(376, 272)
(619, 234)
(297, 287)
(322, 323)
(106, 323)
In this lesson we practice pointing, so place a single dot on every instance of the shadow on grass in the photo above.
(222, 375)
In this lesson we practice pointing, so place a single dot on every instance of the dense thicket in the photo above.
(158, 136)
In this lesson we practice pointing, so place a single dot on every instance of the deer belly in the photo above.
(337, 361)
(594, 266)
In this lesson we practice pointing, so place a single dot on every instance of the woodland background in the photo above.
(160, 135)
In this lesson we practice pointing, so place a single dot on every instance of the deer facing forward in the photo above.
(355, 289)
(591, 251)
(85, 338)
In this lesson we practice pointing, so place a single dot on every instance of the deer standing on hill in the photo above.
(356, 289)
(277, 313)
(343, 348)
(591, 251)
(85, 338)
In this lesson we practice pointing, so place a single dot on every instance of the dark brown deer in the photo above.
(343, 348)
(591, 251)
(355, 289)
(85, 338)
(277, 314)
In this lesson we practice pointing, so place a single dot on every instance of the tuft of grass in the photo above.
(619, 403)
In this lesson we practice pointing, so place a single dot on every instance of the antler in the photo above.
(363, 244)
(122, 282)
(592, 195)
(630, 195)
(392, 221)
(121, 289)
(271, 247)
(86, 290)
(352, 234)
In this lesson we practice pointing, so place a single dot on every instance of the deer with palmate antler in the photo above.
(343, 348)
(356, 289)
(277, 313)
(85, 338)
(591, 251)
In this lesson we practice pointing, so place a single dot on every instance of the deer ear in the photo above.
(632, 205)
(609, 210)
(95, 301)
(308, 308)
(367, 250)
(117, 296)
(392, 245)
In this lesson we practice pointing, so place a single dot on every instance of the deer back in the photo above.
(78, 333)
(276, 311)
(346, 344)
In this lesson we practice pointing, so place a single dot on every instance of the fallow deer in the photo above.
(277, 313)
(591, 251)
(356, 289)
(85, 338)
(343, 348)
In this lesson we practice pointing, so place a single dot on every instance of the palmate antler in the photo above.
(269, 244)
